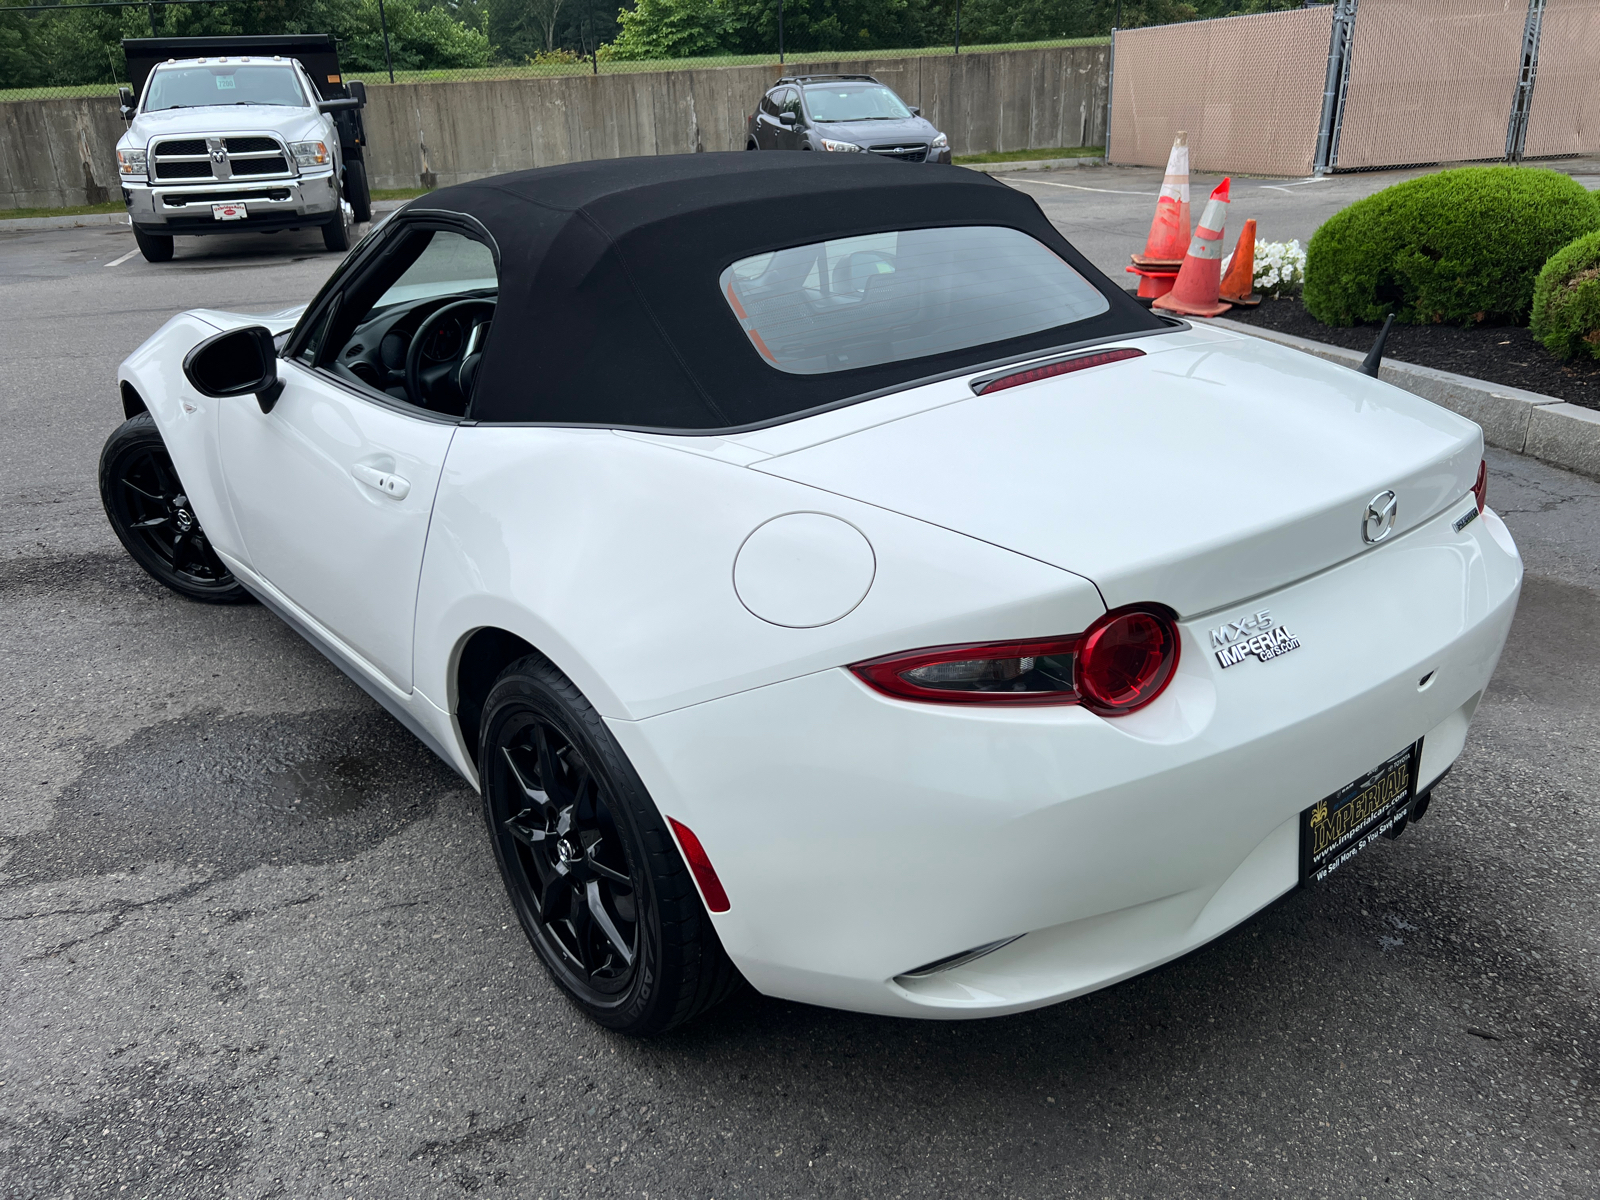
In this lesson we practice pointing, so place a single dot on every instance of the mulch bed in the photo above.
(1497, 353)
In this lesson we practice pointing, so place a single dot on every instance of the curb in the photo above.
(1543, 427)
(118, 220)
(1033, 164)
(82, 220)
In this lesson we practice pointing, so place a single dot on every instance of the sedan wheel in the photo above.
(592, 871)
(151, 514)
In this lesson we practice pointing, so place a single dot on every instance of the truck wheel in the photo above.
(356, 190)
(336, 233)
(156, 247)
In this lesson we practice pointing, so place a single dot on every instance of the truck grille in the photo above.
(191, 158)
(183, 170)
(911, 153)
(259, 166)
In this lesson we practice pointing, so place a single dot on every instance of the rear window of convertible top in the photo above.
(887, 297)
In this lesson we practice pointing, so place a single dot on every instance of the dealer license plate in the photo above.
(228, 212)
(1336, 829)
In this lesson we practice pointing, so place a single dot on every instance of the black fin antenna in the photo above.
(1369, 365)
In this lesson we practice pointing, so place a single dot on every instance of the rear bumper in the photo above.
(860, 837)
(272, 204)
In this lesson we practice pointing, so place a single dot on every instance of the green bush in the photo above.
(1460, 246)
(1566, 300)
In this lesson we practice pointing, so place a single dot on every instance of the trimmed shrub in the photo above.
(1566, 300)
(1462, 246)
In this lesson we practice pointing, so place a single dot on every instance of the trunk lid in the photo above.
(1212, 470)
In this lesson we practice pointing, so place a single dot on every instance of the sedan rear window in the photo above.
(888, 297)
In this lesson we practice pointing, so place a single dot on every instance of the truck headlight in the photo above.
(940, 141)
(841, 147)
(131, 162)
(310, 154)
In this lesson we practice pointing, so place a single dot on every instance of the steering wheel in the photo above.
(445, 384)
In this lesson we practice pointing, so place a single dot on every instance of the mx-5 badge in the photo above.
(1253, 634)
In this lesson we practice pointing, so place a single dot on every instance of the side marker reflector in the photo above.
(700, 867)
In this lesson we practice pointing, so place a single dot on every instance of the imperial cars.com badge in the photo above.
(1256, 634)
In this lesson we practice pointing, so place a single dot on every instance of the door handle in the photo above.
(386, 482)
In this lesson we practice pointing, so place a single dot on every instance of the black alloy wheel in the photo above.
(591, 869)
(150, 512)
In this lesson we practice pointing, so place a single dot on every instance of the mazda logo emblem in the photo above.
(1378, 522)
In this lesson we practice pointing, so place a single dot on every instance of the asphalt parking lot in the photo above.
(253, 944)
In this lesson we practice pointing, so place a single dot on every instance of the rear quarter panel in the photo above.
(614, 557)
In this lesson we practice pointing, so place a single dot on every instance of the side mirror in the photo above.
(788, 119)
(339, 105)
(915, 111)
(358, 90)
(236, 363)
(125, 99)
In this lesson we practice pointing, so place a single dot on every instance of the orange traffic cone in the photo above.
(1195, 292)
(1239, 282)
(1169, 232)
(1152, 284)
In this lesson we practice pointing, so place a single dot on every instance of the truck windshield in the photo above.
(225, 83)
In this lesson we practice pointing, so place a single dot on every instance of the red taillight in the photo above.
(700, 867)
(1120, 663)
(1126, 660)
(1480, 490)
(1051, 370)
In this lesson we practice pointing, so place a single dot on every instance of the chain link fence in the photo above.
(1247, 90)
(73, 49)
(1362, 84)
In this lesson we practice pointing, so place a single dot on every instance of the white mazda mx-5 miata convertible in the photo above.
(829, 578)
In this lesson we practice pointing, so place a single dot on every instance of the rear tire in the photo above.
(156, 247)
(357, 191)
(593, 873)
(150, 512)
(336, 233)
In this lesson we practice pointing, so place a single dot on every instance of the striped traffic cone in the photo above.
(1238, 285)
(1195, 292)
(1169, 232)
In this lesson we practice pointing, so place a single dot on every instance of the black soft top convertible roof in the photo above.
(610, 312)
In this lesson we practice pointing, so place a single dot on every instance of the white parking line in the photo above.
(1077, 187)
(117, 262)
(1284, 187)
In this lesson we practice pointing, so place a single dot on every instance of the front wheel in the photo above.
(156, 247)
(591, 868)
(153, 519)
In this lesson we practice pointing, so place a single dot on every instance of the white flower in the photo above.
(1279, 265)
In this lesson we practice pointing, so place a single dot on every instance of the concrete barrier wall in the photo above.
(62, 152)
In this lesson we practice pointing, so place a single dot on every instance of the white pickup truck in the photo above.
(240, 133)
